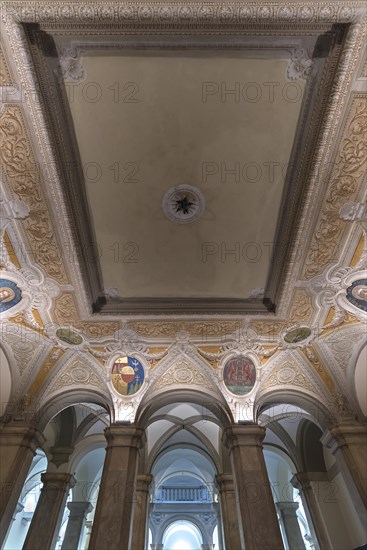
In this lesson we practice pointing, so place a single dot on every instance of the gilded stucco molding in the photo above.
(65, 310)
(5, 75)
(291, 370)
(345, 182)
(339, 350)
(318, 365)
(66, 314)
(23, 177)
(73, 371)
(364, 70)
(301, 308)
(190, 14)
(201, 329)
(183, 374)
(175, 19)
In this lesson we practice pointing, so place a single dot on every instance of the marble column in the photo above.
(207, 547)
(113, 517)
(18, 446)
(315, 520)
(46, 521)
(288, 514)
(257, 514)
(77, 517)
(348, 442)
(140, 512)
(228, 504)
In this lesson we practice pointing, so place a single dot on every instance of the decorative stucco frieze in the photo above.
(24, 178)
(346, 178)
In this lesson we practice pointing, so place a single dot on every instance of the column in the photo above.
(88, 532)
(228, 506)
(315, 520)
(140, 512)
(288, 514)
(348, 442)
(217, 506)
(260, 527)
(113, 517)
(18, 446)
(78, 515)
(207, 547)
(46, 521)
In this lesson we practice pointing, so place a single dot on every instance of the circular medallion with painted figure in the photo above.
(357, 294)
(10, 294)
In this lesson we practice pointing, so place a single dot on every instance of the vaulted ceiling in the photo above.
(121, 122)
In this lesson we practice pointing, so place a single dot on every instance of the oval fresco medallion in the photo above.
(69, 336)
(10, 294)
(127, 375)
(357, 294)
(297, 335)
(239, 375)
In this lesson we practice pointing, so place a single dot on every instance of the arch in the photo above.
(56, 403)
(359, 379)
(217, 406)
(179, 447)
(183, 518)
(155, 451)
(84, 447)
(304, 402)
(6, 381)
(311, 448)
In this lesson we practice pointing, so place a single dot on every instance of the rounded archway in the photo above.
(183, 456)
(360, 380)
(182, 535)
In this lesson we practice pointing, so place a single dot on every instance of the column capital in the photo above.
(21, 436)
(342, 435)
(60, 455)
(244, 435)
(124, 435)
(225, 482)
(79, 508)
(143, 481)
(301, 481)
(58, 481)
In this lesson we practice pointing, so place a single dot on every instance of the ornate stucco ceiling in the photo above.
(49, 214)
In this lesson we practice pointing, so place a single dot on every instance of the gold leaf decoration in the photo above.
(346, 179)
(24, 177)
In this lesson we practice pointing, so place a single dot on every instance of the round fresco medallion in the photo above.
(69, 336)
(10, 294)
(127, 375)
(357, 294)
(297, 335)
(239, 375)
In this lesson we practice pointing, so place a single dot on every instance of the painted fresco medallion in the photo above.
(127, 375)
(69, 336)
(10, 294)
(357, 294)
(239, 375)
(296, 335)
